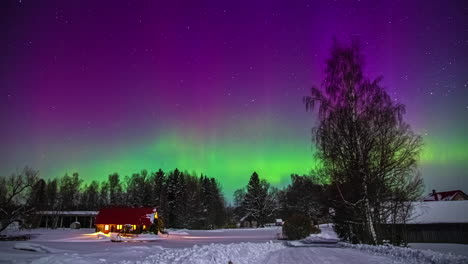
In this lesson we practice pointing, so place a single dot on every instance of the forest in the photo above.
(182, 200)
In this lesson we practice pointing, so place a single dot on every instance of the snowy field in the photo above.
(241, 246)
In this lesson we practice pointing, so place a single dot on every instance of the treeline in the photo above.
(183, 200)
(262, 203)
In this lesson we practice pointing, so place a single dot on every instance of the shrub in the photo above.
(298, 226)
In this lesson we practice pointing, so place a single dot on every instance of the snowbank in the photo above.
(182, 232)
(326, 235)
(411, 256)
(456, 249)
(116, 237)
(36, 248)
(67, 259)
(241, 253)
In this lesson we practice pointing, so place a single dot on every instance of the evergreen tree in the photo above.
(303, 196)
(38, 196)
(216, 217)
(139, 192)
(70, 191)
(194, 208)
(52, 195)
(173, 189)
(115, 190)
(104, 195)
(90, 196)
(180, 202)
(239, 210)
(158, 188)
(258, 202)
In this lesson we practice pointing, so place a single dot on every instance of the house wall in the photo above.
(459, 197)
(62, 221)
(431, 233)
(252, 223)
(113, 228)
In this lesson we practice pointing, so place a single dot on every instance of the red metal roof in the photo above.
(124, 216)
(443, 196)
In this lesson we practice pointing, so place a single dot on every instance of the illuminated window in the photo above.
(144, 227)
(156, 215)
(119, 227)
(134, 227)
(106, 227)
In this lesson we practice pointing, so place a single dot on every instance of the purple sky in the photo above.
(216, 87)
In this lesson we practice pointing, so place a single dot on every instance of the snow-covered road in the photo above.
(322, 255)
(241, 246)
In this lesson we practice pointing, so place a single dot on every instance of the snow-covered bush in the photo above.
(298, 227)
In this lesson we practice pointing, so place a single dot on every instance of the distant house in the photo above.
(456, 195)
(441, 222)
(248, 221)
(279, 222)
(117, 219)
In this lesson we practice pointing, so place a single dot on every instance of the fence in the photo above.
(430, 233)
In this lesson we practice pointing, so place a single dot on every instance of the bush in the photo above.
(298, 227)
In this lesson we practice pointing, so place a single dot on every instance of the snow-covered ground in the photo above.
(457, 249)
(83, 246)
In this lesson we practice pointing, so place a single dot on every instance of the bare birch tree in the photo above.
(366, 148)
(13, 196)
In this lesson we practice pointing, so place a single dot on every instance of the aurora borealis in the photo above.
(216, 87)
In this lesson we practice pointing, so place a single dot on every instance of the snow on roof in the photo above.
(443, 196)
(71, 213)
(439, 212)
(245, 217)
(132, 216)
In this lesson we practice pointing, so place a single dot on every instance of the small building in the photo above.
(61, 219)
(75, 225)
(455, 195)
(118, 219)
(248, 221)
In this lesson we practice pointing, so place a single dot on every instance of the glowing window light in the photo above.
(156, 215)
(144, 226)
(119, 227)
(134, 227)
(106, 227)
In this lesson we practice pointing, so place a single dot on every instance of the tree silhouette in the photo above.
(260, 201)
(366, 148)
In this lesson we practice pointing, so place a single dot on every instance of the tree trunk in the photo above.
(369, 220)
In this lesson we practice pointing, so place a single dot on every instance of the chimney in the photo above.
(435, 195)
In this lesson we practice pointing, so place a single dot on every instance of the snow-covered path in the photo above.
(322, 255)
(241, 246)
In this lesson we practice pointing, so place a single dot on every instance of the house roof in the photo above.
(68, 213)
(440, 212)
(247, 217)
(443, 196)
(124, 216)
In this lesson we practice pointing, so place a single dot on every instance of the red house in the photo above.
(456, 195)
(117, 219)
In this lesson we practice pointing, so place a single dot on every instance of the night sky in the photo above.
(216, 87)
